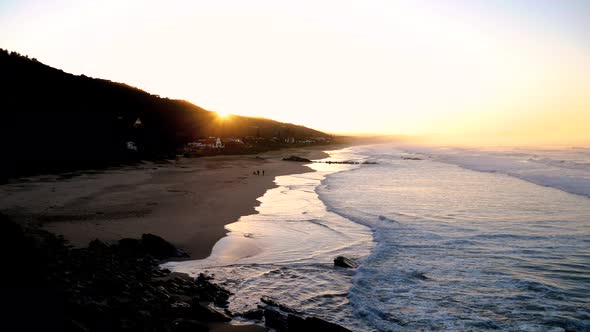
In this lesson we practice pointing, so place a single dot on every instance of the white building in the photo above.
(218, 144)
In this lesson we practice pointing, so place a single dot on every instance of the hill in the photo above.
(54, 121)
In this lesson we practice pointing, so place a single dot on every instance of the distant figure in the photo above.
(257, 172)
(262, 172)
(254, 173)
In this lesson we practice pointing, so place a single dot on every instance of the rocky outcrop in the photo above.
(296, 158)
(149, 244)
(160, 248)
(345, 262)
(276, 320)
(281, 320)
(104, 287)
(116, 287)
(291, 322)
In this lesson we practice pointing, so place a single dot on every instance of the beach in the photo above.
(187, 201)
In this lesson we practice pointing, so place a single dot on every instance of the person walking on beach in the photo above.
(262, 172)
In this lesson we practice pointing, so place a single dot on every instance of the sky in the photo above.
(483, 71)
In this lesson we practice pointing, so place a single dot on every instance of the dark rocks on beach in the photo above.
(296, 323)
(104, 287)
(411, 158)
(317, 324)
(160, 248)
(149, 244)
(272, 302)
(283, 318)
(345, 262)
(296, 158)
(203, 312)
(254, 314)
(345, 162)
(348, 162)
(291, 322)
(115, 287)
(211, 292)
(276, 320)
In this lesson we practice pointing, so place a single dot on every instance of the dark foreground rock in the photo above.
(290, 322)
(345, 262)
(51, 286)
(296, 158)
(282, 318)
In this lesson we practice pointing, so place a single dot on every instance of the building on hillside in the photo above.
(131, 146)
(218, 144)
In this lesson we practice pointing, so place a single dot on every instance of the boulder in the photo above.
(254, 314)
(160, 248)
(272, 302)
(275, 320)
(210, 292)
(318, 324)
(345, 262)
(205, 313)
(296, 323)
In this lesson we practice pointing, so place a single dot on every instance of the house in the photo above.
(218, 144)
(131, 146)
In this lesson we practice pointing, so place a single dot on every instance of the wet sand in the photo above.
(187, 201)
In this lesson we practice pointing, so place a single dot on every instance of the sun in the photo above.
(222, 114)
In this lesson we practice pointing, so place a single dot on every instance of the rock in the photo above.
(188, 325)
(255, 314)
(130, 247)
(270, 301)
(317, 324)
(180, 309)
(296, 158)
(296, 323)
(97, 244)
(208, 291)
(345, 262)
(275, 320)
(203, 312)
(160, 248)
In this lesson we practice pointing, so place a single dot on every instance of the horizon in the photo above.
(503, 74)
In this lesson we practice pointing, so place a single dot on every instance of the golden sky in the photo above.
(516, 71)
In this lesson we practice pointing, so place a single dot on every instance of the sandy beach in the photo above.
(187, 201)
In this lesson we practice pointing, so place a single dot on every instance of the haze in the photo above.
(471, 71)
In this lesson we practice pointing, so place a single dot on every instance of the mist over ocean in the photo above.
(449, 239)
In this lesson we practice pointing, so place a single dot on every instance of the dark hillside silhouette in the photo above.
(55, 121)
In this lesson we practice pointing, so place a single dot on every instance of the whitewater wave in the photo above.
(567, 169)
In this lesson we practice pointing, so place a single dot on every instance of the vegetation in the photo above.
(55, 121)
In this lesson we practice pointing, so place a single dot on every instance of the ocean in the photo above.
(448, 239)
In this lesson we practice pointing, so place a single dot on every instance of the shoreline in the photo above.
(187, 202)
